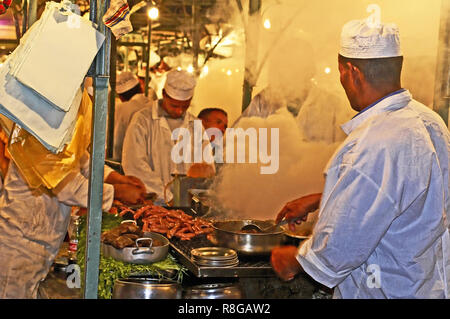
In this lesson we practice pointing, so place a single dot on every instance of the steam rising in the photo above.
(296, 56)
(244, 192)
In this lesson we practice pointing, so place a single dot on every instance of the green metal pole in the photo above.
(195, 35)
(32, 12)
(112, 97)
(149, 44)
(97, 160)
(442, 79)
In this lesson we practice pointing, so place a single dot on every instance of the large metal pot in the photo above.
(146, 288)
(201, 201)
(229, 234)
(214, 291)
(140, 255)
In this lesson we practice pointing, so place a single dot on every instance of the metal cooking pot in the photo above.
(214, 291)
(140, 255)
(229, 234)
(146, 288)
(201, 201)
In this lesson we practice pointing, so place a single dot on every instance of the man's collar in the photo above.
(392, 101)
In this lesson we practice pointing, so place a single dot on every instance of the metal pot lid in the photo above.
(214, 287)
(223, 265)
(147, 281)
(214, 253)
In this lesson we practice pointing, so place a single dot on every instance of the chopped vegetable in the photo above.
(111, 269)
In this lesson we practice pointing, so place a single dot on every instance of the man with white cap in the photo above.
(383, 214)
(132, 100)
(148, 141)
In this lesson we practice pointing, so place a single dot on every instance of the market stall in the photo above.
(214, 238)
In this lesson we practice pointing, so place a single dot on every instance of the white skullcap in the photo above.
(361, 40)
(126, 81)
(154, 59)
(180, 85)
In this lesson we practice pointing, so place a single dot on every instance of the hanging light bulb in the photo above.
(153, 13)
(267, 24)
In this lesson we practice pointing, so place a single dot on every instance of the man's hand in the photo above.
(128, 194)
(132, 180)
(116, 178)
(284, 262)
(299, 209)
(201, 170)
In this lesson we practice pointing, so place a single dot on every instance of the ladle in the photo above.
(254, 227)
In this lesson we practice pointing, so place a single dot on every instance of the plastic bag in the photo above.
(38, 165)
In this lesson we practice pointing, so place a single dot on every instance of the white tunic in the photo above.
(147, 149)
(383, 221)
(33, 224)
(122, 117)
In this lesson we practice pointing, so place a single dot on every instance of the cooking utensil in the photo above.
(201, 201)
(229, 234)
(251, 227)
(140, 255)
(214, 291)
(146, 288)
(215, 257)
(180, 184)
(213, 253)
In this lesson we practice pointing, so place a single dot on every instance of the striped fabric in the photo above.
(117, 18)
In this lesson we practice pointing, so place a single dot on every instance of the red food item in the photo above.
(172, 223)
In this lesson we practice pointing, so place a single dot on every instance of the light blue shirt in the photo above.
(383, 221)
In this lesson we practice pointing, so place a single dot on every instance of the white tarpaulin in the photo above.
(55, 58)
(51, 126)
(40, 82)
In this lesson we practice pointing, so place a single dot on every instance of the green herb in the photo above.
(111, 269)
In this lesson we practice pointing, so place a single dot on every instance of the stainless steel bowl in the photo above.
(214, 291)
(229, 234)
(146, 288)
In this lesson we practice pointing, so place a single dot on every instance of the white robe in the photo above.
(33, 224)
(122, 116)
(147, 150)
(382, 230)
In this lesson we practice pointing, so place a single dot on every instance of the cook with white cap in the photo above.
(148, 141)
(382, 230)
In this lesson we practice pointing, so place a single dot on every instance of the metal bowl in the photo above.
(146, 288)
(214, 291)
(229, 234)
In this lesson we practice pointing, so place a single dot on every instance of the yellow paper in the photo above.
(38, 165)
